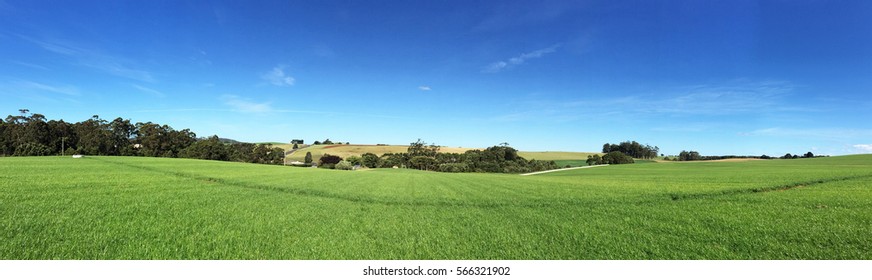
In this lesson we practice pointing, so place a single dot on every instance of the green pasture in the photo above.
(571, 163)
(156, 208)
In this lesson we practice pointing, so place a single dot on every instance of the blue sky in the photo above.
(719, 77)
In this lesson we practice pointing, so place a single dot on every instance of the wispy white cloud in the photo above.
(148, 90)
(518, 60)
(237, 104)
(113, 65)
(277, 77)
(244, 105)
(176, 110)
(55, 47)
(424, 88)
(30, 65)
(863, 148)
(840, 134)
(689, 127)
(711, 100)
(65, 90)
(539, 115)
(729, 99)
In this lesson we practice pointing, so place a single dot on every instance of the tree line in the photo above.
(421, 156)
(694, 155)
(623, 153)
(613, 157)
(33, 135)
(632, 149)
(327, 142)
(806, 155)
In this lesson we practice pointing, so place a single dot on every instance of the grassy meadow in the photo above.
(157, 208)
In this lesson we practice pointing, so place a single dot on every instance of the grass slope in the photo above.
(152, 208)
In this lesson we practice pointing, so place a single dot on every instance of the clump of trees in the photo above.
(344, 165)
(613, 157)
(33, 135)
(327, 142)
(212, 148)
(694, 155)
(632, 149)
(689, 155)
(496, 159)
(328, 161)
(423, 156)
(369, 160)
(806, 155)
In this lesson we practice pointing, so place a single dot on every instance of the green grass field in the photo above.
(571, 163)
(153, 208)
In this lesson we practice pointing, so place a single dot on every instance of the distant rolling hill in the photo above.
(345, 151)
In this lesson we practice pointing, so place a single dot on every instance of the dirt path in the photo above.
(562, 169)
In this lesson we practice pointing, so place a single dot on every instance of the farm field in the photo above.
(157, 208)
(570, 163)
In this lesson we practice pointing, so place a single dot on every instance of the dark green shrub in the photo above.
(344, 165)
(453, 167)
(329, 159)
(369, 160)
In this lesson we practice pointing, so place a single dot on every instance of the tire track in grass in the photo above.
(355, 199)
(496, 204)
(785, 187)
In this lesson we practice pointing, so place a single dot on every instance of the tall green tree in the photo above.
(369, 160)
(4, 138)
(122, 133)
(209, 148)
(594, 160)
(94, 138)
(633, 149)
(241, 152)
(63, 136)
(689, 156)
(420, 148)
(151, 139)
(616, 157)
(328, 160)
